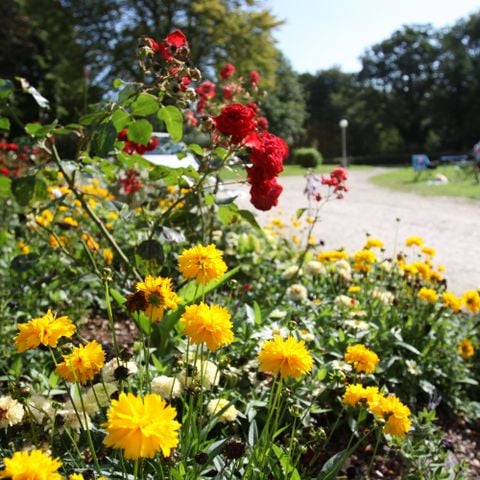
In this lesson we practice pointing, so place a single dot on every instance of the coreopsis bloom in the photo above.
(427, 294)
(33, 465)
(90, 242)
(83, 363)
(465, 348)
(357, 393)
(209, 324)
(373, 242)
(11, 412)
(362, 359)
(287, 357)
(23, 247)
(451, 301)
(154, 295)
(202, 263)
(471, 300)
(332, 256)
(108, 255)
(46, 330)
(215, 406)
(45, 218)
(57, 241)
(141, 426)
(354, 289)
(363, 260)
(414, 242)
(423, 270)
(395, 413)
(428, 251)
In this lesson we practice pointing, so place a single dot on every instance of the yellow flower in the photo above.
(34, 465)
(23, 247)
(414, 241)
(278, 222)
(216, 405)
(90, 242)
(358, 393)
(46, 330)
(207, 324)
(362, 359)
(429, 251)
(395, 413)
(408, 269)
(288, 357)
(427, 294)
(45, 218)
(354, 289)
(70, 221)
(332, 256)
(159, 296)
(423, 270)
(362, 260)
(75, 476)
(203, 263)
(471, 300)
(108, 255)
(83, 363)
(465, 349)
(141, 427)
(57, 241)
(452, 301)
(373, 242)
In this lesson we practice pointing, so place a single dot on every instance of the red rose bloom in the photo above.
(253, 106)
(236, 120)
(176, 39)
(264, 195)
(228, 91)
(206, 90)
(262, 123)
(269, 155)
(4, 171)
(254, 77)
(227, 71)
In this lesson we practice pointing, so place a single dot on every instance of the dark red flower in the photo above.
(264, 195)
(262, 123)
(236, 120)
(228, 91)
(201, 105)
(254, 77)
(176, 39)
(131, 183)
(4, 171)
(12, 147)
(152, 144)
(206, 90)
(123, 135)
(227, 71)
(269, 155)
(337, 180)
(253, 106)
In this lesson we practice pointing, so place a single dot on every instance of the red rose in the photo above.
(227, 71)
(264, 195)
(228, 91)
(5, 171)
(254, 77)
(262, 123)
(206, 90)
(253, 106)
(236, 120)
(269, 155)
(176, 39)
(201, 105)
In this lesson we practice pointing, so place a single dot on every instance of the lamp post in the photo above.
(343, 124)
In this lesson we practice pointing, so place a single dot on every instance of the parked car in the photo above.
(167, 153)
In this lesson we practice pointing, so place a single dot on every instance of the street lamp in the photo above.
(343, 125)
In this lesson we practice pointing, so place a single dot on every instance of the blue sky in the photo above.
(319, 34)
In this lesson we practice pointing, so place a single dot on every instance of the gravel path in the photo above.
(450, 225)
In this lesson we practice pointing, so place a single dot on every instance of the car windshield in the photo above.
(167, 147)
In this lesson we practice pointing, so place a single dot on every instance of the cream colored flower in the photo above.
(98, 396)
(346, 301)
(40, 408)
(291, 272)
(72, 421)
(315, 268)
(166, 387)
(108, 371)
(11, 411)
(383, 296)
(344, 269)
(217, 405)
(359, 325)
(297, 292)
(205, 373)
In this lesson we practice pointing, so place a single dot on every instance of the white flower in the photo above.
(11, 411)
(216, 405)
(386, 266)
(315, 268)
(306, 336)
(385, 297)
(269, 331)
(98, 396)
(74, 420)
(206, 373)
(40, 407)
(108, 371)
(359, 325)
(413, 367)
(278, 314)
(345, 300)
(166, 387)
(291, 272)
(344, 269)
(340, 365)
(297, 292)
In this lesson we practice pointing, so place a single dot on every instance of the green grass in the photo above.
(405, 179)
(289, 171)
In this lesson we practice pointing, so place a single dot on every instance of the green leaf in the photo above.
(4, 123)
(118, 82)
(92, 118)
(248, 216)
(134, 161)
(408, 347)
(5, 186)
(117, 296)
(173, 119)
(220, 152)
(23, 189)
(333, 465)
(140, 132)
(22, 263)
(103, 139)
(144, 105)
(40, 131)
(6, 88)
(151, 250)
(289, 470)
(120, 119)
(227, 213)
(41, 189)
(196, 149)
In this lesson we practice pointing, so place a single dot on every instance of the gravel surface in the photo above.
(450, 225)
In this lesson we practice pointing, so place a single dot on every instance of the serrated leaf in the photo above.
(120, 119)
(144, 105)
(4, 123)
(173, 119)
(91, 118)
(23, 189)
(140, 131)
(227, 213)
(103, 139)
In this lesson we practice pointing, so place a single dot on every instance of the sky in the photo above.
(319, 34)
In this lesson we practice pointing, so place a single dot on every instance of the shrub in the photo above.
(307, 157)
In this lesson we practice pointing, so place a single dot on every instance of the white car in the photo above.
(166, 153)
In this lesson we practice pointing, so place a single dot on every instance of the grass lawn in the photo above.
(289, 171)
(405, 179)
